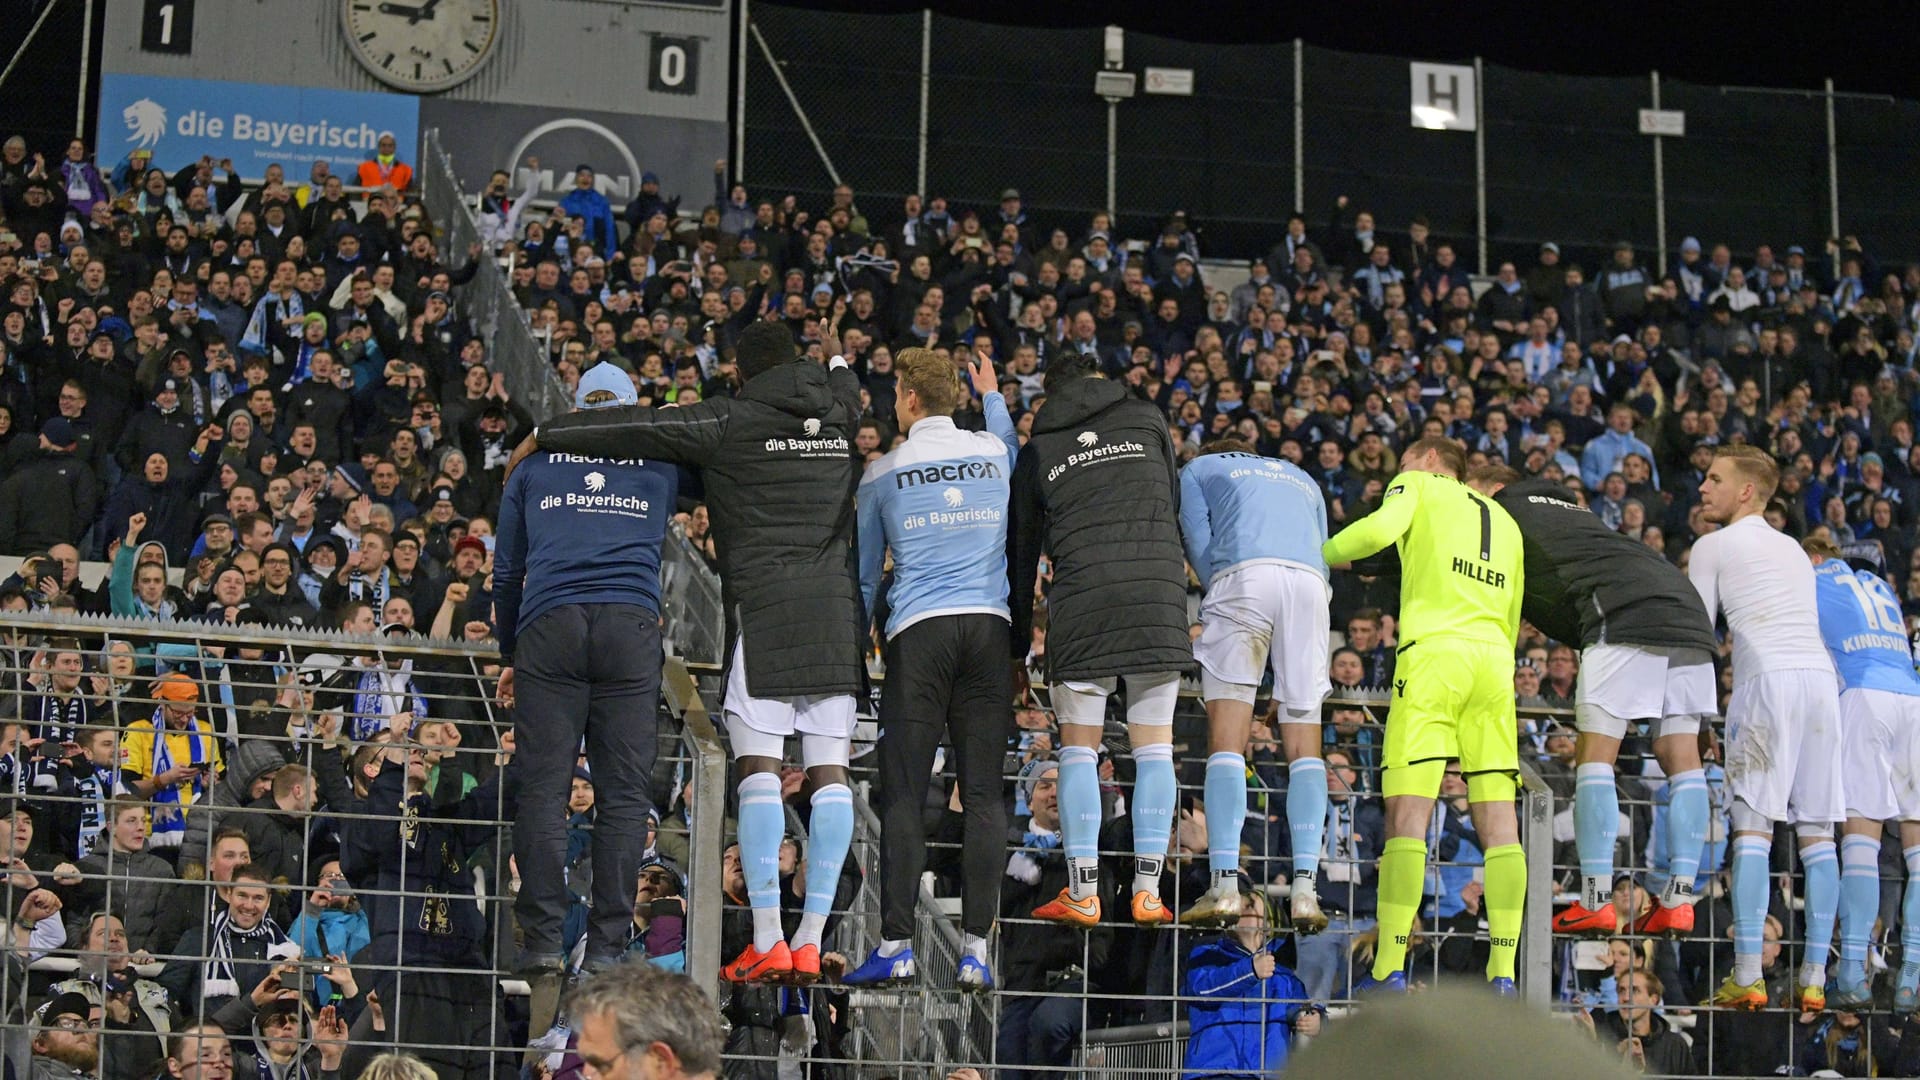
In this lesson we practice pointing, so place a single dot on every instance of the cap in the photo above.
(166, 386)
(473, 542)
(1550, 246)
(494, 410)
(1871, 458)
(1098, 234)
(218, 518)
(1690, 244)
(396, 629)
(602, 385)
(649, 178)
(823, 287)
(1623, 340)
(173, 686)
(72, 1003)
(59, 432)
(1184, 257)
(1623, 245)
(1009, 193)
(444, 494)
(1796, 249)
(440, 296)
(580, 773)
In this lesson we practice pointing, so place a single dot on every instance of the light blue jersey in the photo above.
(1861, 622)
(1240, 508)
(939, 500)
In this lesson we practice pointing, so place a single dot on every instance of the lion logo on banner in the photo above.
(146, 122)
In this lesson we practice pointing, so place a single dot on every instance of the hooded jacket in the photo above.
(1095, 488)
(1238, 1023)
(1588, 585)
(779, 472)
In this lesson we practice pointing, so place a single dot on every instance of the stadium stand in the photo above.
(252, 443)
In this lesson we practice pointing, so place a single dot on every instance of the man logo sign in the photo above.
(953, 497)
(595, 481)
(1087, 438)
(811, 427)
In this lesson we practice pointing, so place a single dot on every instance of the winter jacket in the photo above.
(50, 500)
(438, 922)
(136, 886)
(1588, 585)
(1666, 1050)
(1240, 1024)
(154, 431)
(779, 474)
(1095, 488)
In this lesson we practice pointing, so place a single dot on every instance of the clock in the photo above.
(421, 45)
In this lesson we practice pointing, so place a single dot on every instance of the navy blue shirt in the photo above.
(576, 529)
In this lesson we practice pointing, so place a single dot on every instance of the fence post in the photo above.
(1480, 159)
(1536, 933)
(1299, 128)
(926, 86)
(709, 806)
(1659, 183)
(1833, 170)
(740, 99)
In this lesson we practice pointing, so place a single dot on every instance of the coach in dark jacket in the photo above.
(1095, 486)
(779, 473)
(1096, 489)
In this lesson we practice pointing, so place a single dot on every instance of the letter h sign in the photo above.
(1444, 98)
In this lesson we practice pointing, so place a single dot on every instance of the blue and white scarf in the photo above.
(169, 815)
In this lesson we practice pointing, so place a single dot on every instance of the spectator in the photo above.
(437, 923)
(50, 500)
(1638, 1033)
(124, 879)
(385, 169)
(171, 759)
(136, 1013)
(242, 946)
(65, 1039)
(1249, 1008)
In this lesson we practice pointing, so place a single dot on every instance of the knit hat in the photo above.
(59, 432)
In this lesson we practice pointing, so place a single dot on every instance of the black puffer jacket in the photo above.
(1095, 488)
(778, 466)
(1587, 584)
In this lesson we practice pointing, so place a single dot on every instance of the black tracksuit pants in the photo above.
(947, 675)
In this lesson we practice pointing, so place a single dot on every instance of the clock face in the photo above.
(421, 45)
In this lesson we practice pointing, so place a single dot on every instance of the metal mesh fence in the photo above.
(326, 824)
(1114, 1005)
(488, 300)
(1564, 157)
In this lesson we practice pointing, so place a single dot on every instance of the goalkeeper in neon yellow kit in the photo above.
(1460, 589)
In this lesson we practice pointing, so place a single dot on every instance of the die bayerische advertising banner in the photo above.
(255, 124)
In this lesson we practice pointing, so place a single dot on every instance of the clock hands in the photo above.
(414, 14)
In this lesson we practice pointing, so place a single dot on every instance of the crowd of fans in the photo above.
(261, 406)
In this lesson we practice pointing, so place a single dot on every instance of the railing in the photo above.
(271, 698)
(488, 300)
(696, 622)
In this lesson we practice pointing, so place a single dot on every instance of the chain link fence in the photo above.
(488, 300)
(1564, 157)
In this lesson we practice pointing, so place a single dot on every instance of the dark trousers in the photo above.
(1039, 1029)
(948, 674)
(589, 670)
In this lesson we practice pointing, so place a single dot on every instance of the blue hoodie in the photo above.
(1241, 1025)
